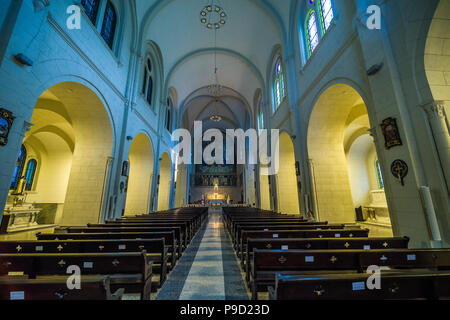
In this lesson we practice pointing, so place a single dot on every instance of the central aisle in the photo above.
(208, 270)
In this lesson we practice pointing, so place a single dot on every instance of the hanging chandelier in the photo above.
(213, 17)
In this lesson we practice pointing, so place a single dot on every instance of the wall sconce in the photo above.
(375, 69)
(23, 60)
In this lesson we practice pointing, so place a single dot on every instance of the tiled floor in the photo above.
(208, 270)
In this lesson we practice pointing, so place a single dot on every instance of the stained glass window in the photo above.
(379, 175)
(91, 9)
(313, 34)
(279, 87)
(147, 88)
(327, 13)
(169, 114)
(261, 117)
(19, 168)
(109, 24)
(30, 173)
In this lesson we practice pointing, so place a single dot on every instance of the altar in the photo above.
(376, 212)
(19, 215)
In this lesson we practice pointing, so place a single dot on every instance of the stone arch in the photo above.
(286, 178)
(165, 180)
(140, 159)
(73, 136)
(339, 148)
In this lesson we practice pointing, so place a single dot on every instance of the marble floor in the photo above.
(208, 270)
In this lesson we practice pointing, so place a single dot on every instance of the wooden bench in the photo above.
(299, 233)
(169, 238)
(156, 250)
(131, 271)
(240, 229)
(394, 285)
(93, 288)
(185, 229)
(267, 263)
(319, 244)
(180, 237)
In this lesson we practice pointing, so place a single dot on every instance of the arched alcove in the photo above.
(72, 140)
(164, 183)
(286, 178)
(140, 177)
(342, 157)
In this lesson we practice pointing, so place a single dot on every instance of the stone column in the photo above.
(435, 111)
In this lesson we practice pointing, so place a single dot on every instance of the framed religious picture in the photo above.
(125, 169)
(6, 121)
(391, 133)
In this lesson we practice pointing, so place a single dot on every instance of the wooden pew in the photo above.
(156, 250)
(185, 228)
(180, 237)
(93, 288)
(169, 238)
(394, 285)
(301, 226)
(299, 233)
(320, 244)
(267, 263)
(131, 271)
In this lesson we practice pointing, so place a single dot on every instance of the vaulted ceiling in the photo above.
(243, 51)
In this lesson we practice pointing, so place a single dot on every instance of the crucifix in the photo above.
(399, 169)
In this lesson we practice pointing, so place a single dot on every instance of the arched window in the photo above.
(147, 87)
(327, 14)
(109, 24)
(261, 116)
(312, 32)
(91, 9)
(169, 114)
(19, 168)
(30, 173)
(379, 175)
(279, 89)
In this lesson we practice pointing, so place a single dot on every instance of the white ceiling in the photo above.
(245, 46)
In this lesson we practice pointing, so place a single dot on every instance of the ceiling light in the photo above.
(216, 118)
(213, 16)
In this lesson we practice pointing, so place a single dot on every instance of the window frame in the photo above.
(29, 184)
(18, 174)
(278, 85)
(96, 9)
(322, 15)
(147, 81)
(379, 175)
(312, 13)
(109, 5)
(168, 118)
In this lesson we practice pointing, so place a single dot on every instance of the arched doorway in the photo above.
(286, 178)
(140, 160)
(343, 159)
(437, 69)
(70, 141)
(264, 191)
(164, 183)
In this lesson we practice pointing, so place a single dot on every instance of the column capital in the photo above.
(26, 127)
(434, 108)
